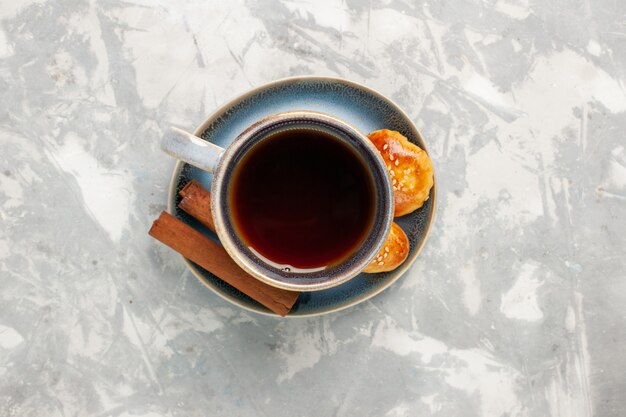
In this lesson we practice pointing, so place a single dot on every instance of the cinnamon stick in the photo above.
(197, 203)
(198, 248)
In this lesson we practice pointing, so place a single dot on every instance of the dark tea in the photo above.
(303, 199)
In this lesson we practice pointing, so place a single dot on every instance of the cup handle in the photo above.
(191, 149)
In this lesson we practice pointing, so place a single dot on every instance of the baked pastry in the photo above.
(410, 170)
(393, 254)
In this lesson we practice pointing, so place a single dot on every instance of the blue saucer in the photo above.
(361, 106)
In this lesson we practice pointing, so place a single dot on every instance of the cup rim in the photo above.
(258, 269)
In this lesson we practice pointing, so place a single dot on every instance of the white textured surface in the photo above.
(514, 308)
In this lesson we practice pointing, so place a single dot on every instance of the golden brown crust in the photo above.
(393, 254)
(410, 170)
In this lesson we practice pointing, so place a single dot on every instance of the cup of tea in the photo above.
(301, 200)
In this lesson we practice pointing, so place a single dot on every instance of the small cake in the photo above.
(393, 253)
(410, 170)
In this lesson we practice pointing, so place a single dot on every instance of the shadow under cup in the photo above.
(283, 275)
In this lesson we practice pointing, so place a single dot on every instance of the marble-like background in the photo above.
(516, 307)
